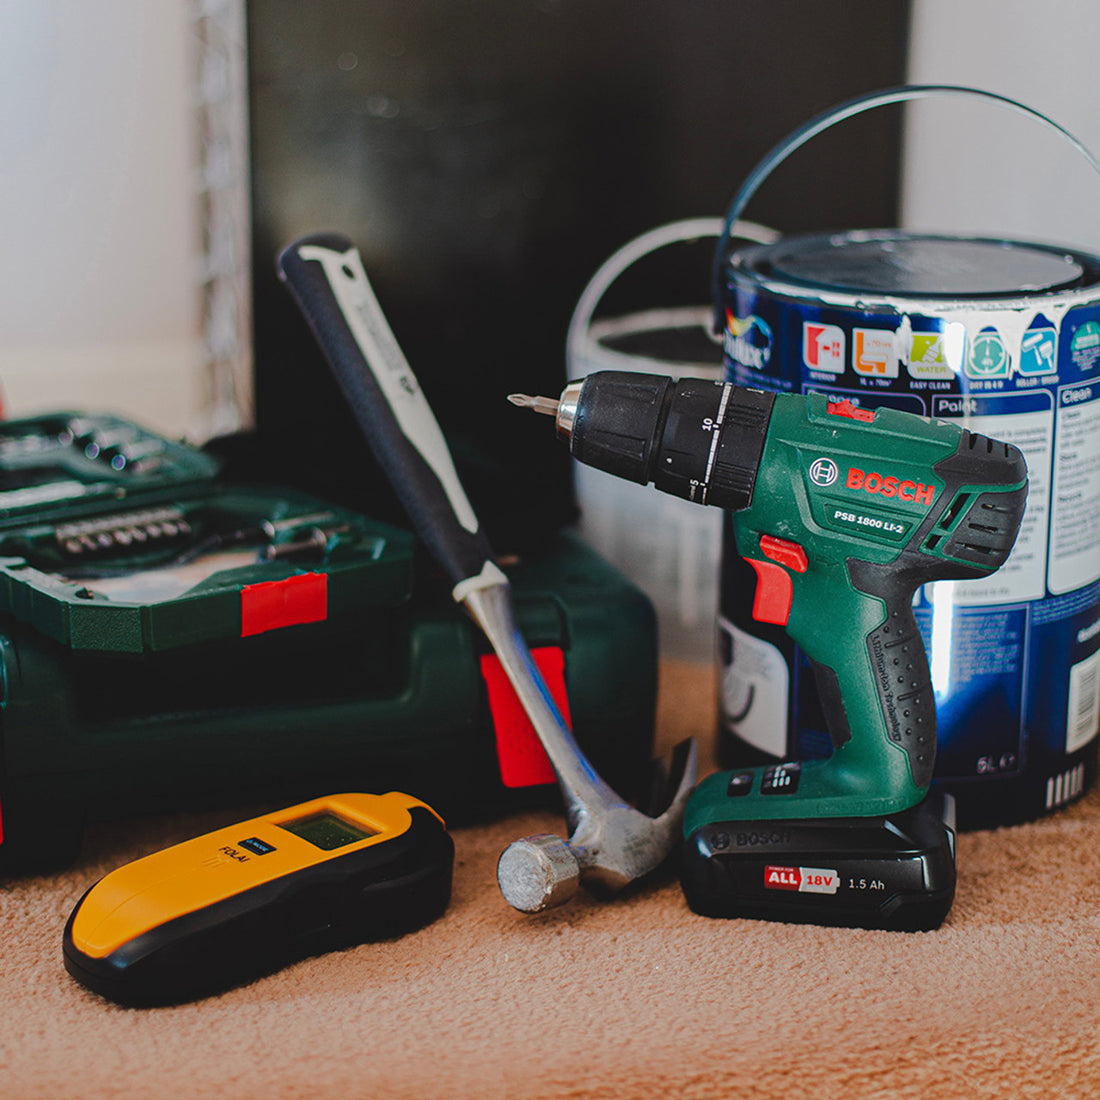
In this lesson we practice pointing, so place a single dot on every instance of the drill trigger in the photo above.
(773, 588)
(774, 591)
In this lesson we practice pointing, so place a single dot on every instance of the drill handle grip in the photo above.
(326, 277)
(903, 685)
(872, 674)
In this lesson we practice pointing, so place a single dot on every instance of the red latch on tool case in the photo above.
(274, 604)
(523, 761)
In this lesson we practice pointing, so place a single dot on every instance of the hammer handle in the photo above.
(325, 274)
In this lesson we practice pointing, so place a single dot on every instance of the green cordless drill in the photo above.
(843, 512)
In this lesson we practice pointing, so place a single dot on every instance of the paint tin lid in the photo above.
(892, 262)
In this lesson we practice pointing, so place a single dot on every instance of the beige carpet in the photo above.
(638, 997)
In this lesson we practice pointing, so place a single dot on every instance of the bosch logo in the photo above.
(823, 471)
(908, 491)
(754, 840)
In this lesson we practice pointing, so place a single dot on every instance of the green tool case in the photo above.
(172, 642)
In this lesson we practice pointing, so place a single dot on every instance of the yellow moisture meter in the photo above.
(245, 900)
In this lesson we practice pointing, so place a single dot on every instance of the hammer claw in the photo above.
(611, 844)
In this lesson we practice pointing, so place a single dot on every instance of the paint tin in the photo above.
(999, 336)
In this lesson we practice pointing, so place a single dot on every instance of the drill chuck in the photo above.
(694, 438)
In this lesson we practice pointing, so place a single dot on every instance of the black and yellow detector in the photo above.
(244, 900)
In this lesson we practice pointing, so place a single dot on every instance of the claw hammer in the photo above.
(611, 844)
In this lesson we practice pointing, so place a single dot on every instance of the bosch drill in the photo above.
(842, 512)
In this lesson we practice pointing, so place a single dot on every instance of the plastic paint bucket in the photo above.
(999, 336)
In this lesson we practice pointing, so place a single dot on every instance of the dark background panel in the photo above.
(488, 155)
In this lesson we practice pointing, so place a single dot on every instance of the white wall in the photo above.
(98, 214)
(972, 166)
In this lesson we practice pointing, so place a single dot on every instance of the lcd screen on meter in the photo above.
(327, 831)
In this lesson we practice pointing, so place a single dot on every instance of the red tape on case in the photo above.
(274, 604)
(522, 759)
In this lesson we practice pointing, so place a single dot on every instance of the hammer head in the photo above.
(612, 844)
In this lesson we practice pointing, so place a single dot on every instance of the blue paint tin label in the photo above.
(1015, 658)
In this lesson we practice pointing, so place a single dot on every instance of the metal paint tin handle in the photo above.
(839, 113)
(579, 346)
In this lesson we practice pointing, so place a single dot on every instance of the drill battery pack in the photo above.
(169, 642)
(895, 872)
